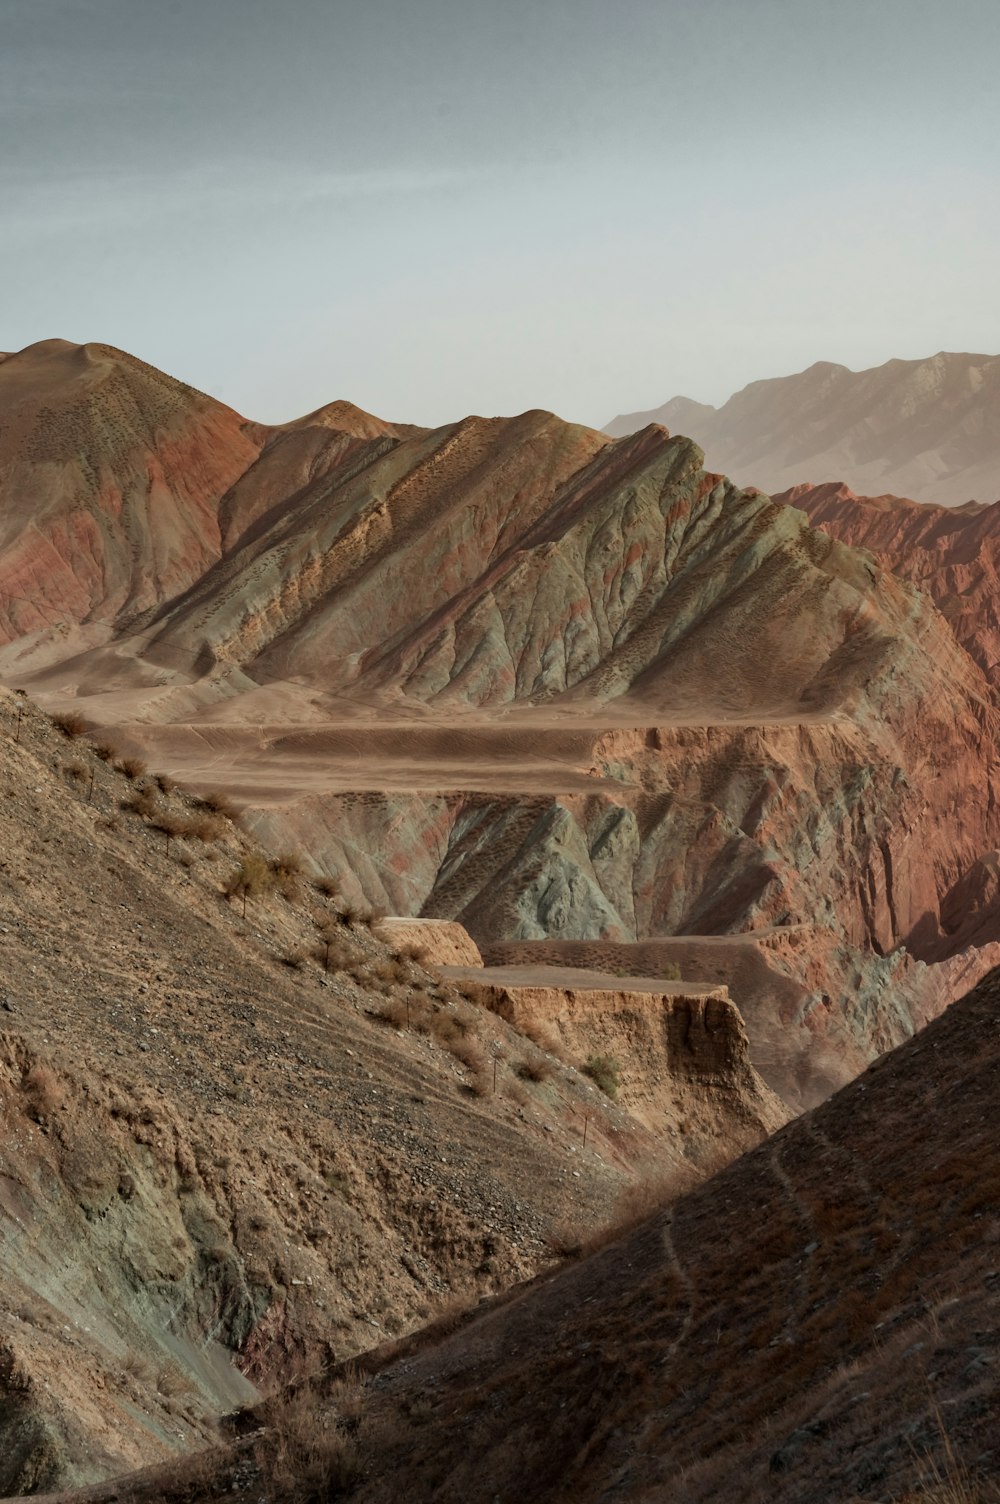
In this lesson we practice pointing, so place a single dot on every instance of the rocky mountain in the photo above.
(558, 686)
(237, 1146)
(816, 1322)
(951, 553)
(929, 429)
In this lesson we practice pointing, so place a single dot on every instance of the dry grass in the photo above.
(219, 803)
(43, 1090)
(328, 886)
(305, 1451)
(132, 767)
(252, 878)
(71, 724)
(76, 770)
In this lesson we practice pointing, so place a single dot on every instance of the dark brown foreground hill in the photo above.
(816, 1325)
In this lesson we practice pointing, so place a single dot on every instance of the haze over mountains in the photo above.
(926, 429)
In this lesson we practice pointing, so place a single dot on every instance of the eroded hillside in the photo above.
(238, 1146)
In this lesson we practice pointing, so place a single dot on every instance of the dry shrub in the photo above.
(71, 724)
(219, 804)
(143, 804)
(544, 1037)
(106, 751)
(137, 1367)
(172, 1380)
(132, 767)
(305, 1452)
(295, 959)
(287, 864)
(418, 954)
(393, 1011)
(76, 770)
(203, 828)
(535, 1068)
(43, 1090)
(252, 877)
(605, 1072)
(334, 953)
(469, 1052)
(328, 886)
(165, 783)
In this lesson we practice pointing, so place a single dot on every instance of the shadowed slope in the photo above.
(811, 1325)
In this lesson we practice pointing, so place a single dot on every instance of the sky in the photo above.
(436, 207)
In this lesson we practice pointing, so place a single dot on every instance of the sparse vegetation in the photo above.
(43, 1091)
(305, 1452)
(251, 879)
(132, 767)
(71, 724)
(219, 804)
(605, 1072)
(535, 1068)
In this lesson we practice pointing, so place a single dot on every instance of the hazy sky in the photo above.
(442, 206)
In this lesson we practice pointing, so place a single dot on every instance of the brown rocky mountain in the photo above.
(611, 717)
(235, 1149)
(562, 687)
(929, 429)
(816, 1323)
(951, 553)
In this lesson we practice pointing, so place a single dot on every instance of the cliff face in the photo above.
(682, 1052)
(929, 429)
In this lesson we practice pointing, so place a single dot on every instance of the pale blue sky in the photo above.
(444, 206)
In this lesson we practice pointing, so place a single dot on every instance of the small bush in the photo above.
(328, 886)
(604, 1071)
(253, 877)
(219, 804)
(78, 771)
(537, 1068)
(132, 767)
(165, 783)
(106, 751)
(203, 828)
(418, 954)
(295, 960)
(287, 864)
(43, 1090)
(71, 724)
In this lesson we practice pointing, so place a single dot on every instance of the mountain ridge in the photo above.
(927, 429)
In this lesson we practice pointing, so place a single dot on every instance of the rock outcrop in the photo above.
(929, 429)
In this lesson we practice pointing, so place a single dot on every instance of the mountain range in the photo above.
(416, 838)
(924, 429)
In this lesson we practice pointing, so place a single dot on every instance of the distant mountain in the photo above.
(926, 429)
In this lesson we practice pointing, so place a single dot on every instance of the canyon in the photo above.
(416, 842)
